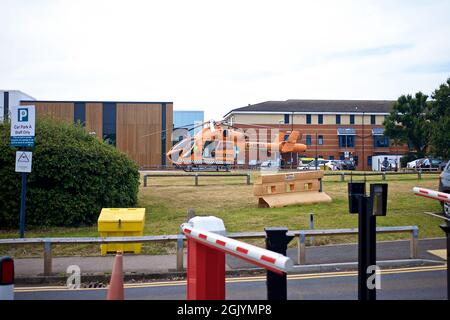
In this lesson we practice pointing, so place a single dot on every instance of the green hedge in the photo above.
(74, 175)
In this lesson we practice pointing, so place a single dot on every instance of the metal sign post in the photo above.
(23, 165)
(368, 208)
(23, 120)
(23, 195)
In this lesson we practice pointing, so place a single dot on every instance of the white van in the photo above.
(393, 160)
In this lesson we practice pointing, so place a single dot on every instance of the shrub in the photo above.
(74, 175)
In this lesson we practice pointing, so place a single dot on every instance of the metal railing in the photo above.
(196, 176)
(301, 248)
(382, 174)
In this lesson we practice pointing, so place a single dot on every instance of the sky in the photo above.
(220, 55)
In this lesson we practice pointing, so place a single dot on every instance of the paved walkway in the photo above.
(392, 250)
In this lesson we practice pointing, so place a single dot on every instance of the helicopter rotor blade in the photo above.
(195, 126)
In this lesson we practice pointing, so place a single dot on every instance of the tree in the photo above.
(409, 122)
(440, 115)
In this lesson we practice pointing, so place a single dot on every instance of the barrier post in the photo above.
(207, 246)
(446, 229)
(47, 258)
(205, 266)
(311, 226)
(248, 178)
(6, 278)
(414, 245)
(180, 252)
(301, 254)
(277, 241)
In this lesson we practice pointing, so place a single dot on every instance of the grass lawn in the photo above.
(167, 199)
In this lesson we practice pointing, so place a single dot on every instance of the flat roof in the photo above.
(94, 101)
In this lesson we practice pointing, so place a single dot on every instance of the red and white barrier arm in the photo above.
(436, 195)
(265, 258)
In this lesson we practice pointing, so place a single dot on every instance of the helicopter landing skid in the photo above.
(218, 168)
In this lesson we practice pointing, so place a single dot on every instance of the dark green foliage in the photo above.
(409, 122)
(74, 175)
(440, 114)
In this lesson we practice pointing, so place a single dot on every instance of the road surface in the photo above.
(405, 283)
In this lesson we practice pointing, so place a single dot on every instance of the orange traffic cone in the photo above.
(115, 290)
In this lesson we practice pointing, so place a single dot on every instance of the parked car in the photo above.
(320, 165)
(270, 164)
(334, 165)
(303, 162)
(338, 164)
(443, 165)
(348, 165)
(389, 165)
(413, 164)
(429, 163)
(444, 186)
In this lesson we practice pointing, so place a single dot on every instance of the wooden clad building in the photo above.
(143, 130)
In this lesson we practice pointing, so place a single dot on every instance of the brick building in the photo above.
(331, 129)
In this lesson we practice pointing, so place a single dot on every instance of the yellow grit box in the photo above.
(121, 222)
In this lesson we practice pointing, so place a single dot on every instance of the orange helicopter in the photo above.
(218, 144)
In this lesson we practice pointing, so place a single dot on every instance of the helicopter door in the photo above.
(209, 149)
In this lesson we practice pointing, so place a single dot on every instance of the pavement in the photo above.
(419, 283)
(429, 249)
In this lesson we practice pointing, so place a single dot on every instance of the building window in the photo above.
(320, 140)
(369, 161)
(109, 123)
(6, 105)
(308, 140)
(342, 156)
(356, 159)
(286, 118)
(380, 141)
(372, 119)
(346, 141)
(338, 119)
(79, 113)
(320, 119)
(352, 119)
(308, 119)
(331, 157)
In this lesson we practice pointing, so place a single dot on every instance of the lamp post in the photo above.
(317, 142)
(363, 146)
(292, 130)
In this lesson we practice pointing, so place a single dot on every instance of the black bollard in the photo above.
(277, 241)
(367, 254)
